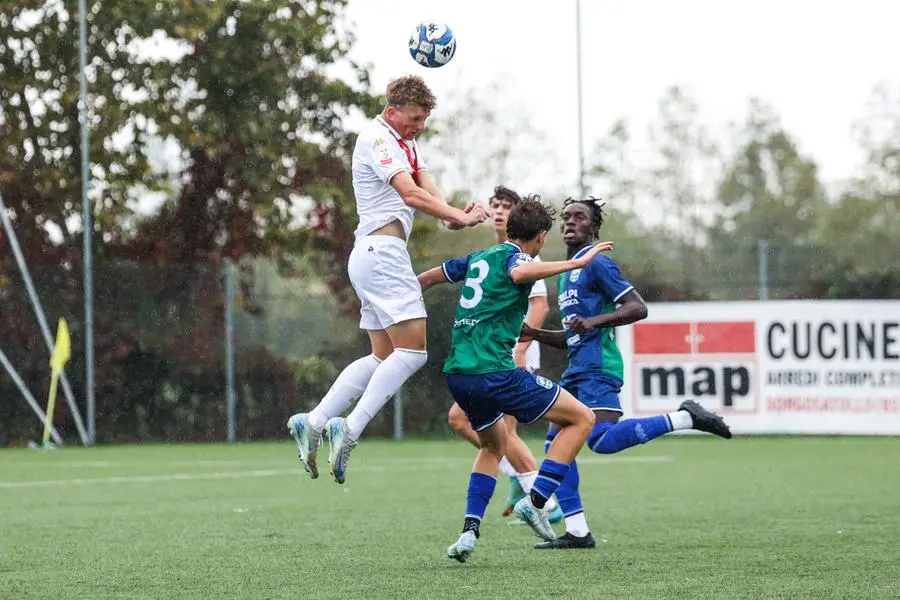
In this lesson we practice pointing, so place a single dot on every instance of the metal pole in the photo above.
(581, 184)
(229, 350)
(87, 226)
(763, 247)
(398, 414)
(39, 312)
(28, 397)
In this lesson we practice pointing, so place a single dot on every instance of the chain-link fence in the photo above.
(161, 346)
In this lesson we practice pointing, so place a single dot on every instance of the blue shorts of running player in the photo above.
(485, 398)
(596, 390)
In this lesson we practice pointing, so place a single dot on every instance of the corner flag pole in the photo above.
(62, 352)
(17, 379)
(39, 312)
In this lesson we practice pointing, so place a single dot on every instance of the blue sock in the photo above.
(481, 488)
(567, 494)
(550, 475)
(609, 438)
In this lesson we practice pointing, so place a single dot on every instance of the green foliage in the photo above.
(242, 91)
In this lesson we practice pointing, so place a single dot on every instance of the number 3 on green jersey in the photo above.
(490, 310)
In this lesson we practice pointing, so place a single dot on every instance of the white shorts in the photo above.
(382, 276)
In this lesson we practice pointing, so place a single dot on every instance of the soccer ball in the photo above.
(432, 44)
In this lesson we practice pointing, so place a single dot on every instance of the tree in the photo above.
(683, 164)
(482, 138)
(768, 191)
(614, 174)
(858, 234)
(241, 90)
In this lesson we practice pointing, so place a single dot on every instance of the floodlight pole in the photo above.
(87, 226)
(581, 183)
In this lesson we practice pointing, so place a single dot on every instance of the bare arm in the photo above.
(531, 272)
(556, 339)
(426, 181)
(421, 199)
(432, 277)
(631, 309)
(538, 309)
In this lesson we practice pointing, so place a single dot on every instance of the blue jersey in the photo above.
(586, 292)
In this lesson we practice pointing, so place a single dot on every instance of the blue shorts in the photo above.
(486, 398)
(597, 391)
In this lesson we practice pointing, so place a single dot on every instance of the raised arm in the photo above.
(427, 182)
(420, 199)
(531, 272)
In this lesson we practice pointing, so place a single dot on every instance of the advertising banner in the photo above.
(817, 367)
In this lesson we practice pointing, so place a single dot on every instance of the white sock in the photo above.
(506, 467)
(680, 419)
(526, 480)
(577, 525)
(386, 380)
(349, 385)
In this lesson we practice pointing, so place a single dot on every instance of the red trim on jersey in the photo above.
(411, 155)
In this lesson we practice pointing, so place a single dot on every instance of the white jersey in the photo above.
(379, 155)
(533, 354)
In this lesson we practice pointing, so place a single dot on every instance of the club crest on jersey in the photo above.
(544, 382)
(386, 157)
(573, 275)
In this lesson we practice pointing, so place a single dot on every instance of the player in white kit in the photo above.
(390, 182)
(519, 464)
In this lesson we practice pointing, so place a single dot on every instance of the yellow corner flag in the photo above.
(62, 351)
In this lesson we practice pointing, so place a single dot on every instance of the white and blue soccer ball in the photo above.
(432, 44)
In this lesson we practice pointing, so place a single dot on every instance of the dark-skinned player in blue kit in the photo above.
(593, 301)
(482, 375)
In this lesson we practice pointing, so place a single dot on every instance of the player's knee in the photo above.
(585, 420)
(493, 447)
(412, 358)
(456, 418)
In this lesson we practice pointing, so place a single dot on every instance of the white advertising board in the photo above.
(814, 367)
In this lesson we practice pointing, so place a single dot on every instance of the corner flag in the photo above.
(62, 351)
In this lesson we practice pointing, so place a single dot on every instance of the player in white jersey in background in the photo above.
(519, 464)
(390, 182)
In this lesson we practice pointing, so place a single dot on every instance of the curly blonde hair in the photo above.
(410, 89)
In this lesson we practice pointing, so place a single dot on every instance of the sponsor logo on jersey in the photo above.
(567, 298)
(466, 322)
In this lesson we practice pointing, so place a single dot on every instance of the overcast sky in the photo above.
(816, 62)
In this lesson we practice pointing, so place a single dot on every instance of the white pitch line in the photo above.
(440, 463)
(610, 460)
(147, 478)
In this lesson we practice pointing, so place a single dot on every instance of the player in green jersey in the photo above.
(483, 377)
(519, 464)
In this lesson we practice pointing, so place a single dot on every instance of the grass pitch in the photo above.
(683, 517)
